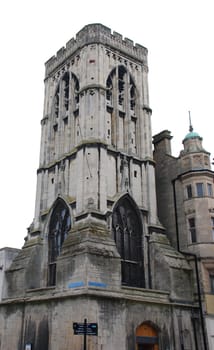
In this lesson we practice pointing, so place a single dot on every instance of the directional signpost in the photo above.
(85, 329)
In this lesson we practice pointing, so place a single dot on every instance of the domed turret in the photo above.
(192, 141)
(194, 156)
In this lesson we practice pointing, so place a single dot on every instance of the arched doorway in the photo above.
(146, 337)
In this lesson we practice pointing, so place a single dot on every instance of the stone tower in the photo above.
(93, 149)
(96, 249)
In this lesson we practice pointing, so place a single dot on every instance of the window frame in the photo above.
(212, 224)
(200, 189)
(121, 105)
(192, 229)
(189, 191)
(127, 233)
(211, 277)
(59, 226)
(209, 189)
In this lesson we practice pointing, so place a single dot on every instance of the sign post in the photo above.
(85, 332)
(85, 329)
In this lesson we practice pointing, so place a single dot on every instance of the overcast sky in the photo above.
(179, 37)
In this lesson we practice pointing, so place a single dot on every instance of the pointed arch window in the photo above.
(121, 109)
(127, 233)
(65, 109)
(66, 96)
(60, 224)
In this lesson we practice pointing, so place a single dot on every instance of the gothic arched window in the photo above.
(127, 233)
(60, 224)
(121, 109)
(65, 109)
(66, 95)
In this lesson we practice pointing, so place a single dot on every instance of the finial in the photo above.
(190, 123)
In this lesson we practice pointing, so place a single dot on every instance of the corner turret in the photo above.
(193, 155)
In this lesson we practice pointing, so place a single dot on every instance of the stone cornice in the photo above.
(150, 296)
(196, 172)
(94, 143)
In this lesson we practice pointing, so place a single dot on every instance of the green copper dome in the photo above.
(191, 135)
(192, 141)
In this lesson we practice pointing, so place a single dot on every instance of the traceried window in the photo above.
(127, 233)
(189, 191)
(65, 110)
(192, 230)
(66, 95)
(121, 110)
(200, 189)
(60, 224)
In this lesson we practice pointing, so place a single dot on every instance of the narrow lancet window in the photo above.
(56, 103)
(66, 91)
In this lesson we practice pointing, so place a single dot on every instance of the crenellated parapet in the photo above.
(99, 34)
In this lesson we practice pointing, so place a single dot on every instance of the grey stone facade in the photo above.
(96, 248)
(185, 187)
(7, 255)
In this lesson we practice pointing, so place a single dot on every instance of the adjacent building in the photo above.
(96, 249)
(185, 200)
(7, 255)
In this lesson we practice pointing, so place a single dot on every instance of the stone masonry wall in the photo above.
(48, 324)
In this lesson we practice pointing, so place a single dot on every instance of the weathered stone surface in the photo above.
(189, 217)
(96, 248)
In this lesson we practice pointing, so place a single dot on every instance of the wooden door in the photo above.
(146, 337)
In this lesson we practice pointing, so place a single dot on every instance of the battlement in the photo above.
(96, 33)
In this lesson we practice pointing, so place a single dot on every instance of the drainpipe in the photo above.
(22, 345)
(196, 265)
(149, 263)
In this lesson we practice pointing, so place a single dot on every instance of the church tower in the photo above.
(95, 163)
(96, 249)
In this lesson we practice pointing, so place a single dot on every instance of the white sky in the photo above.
(179, 37)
